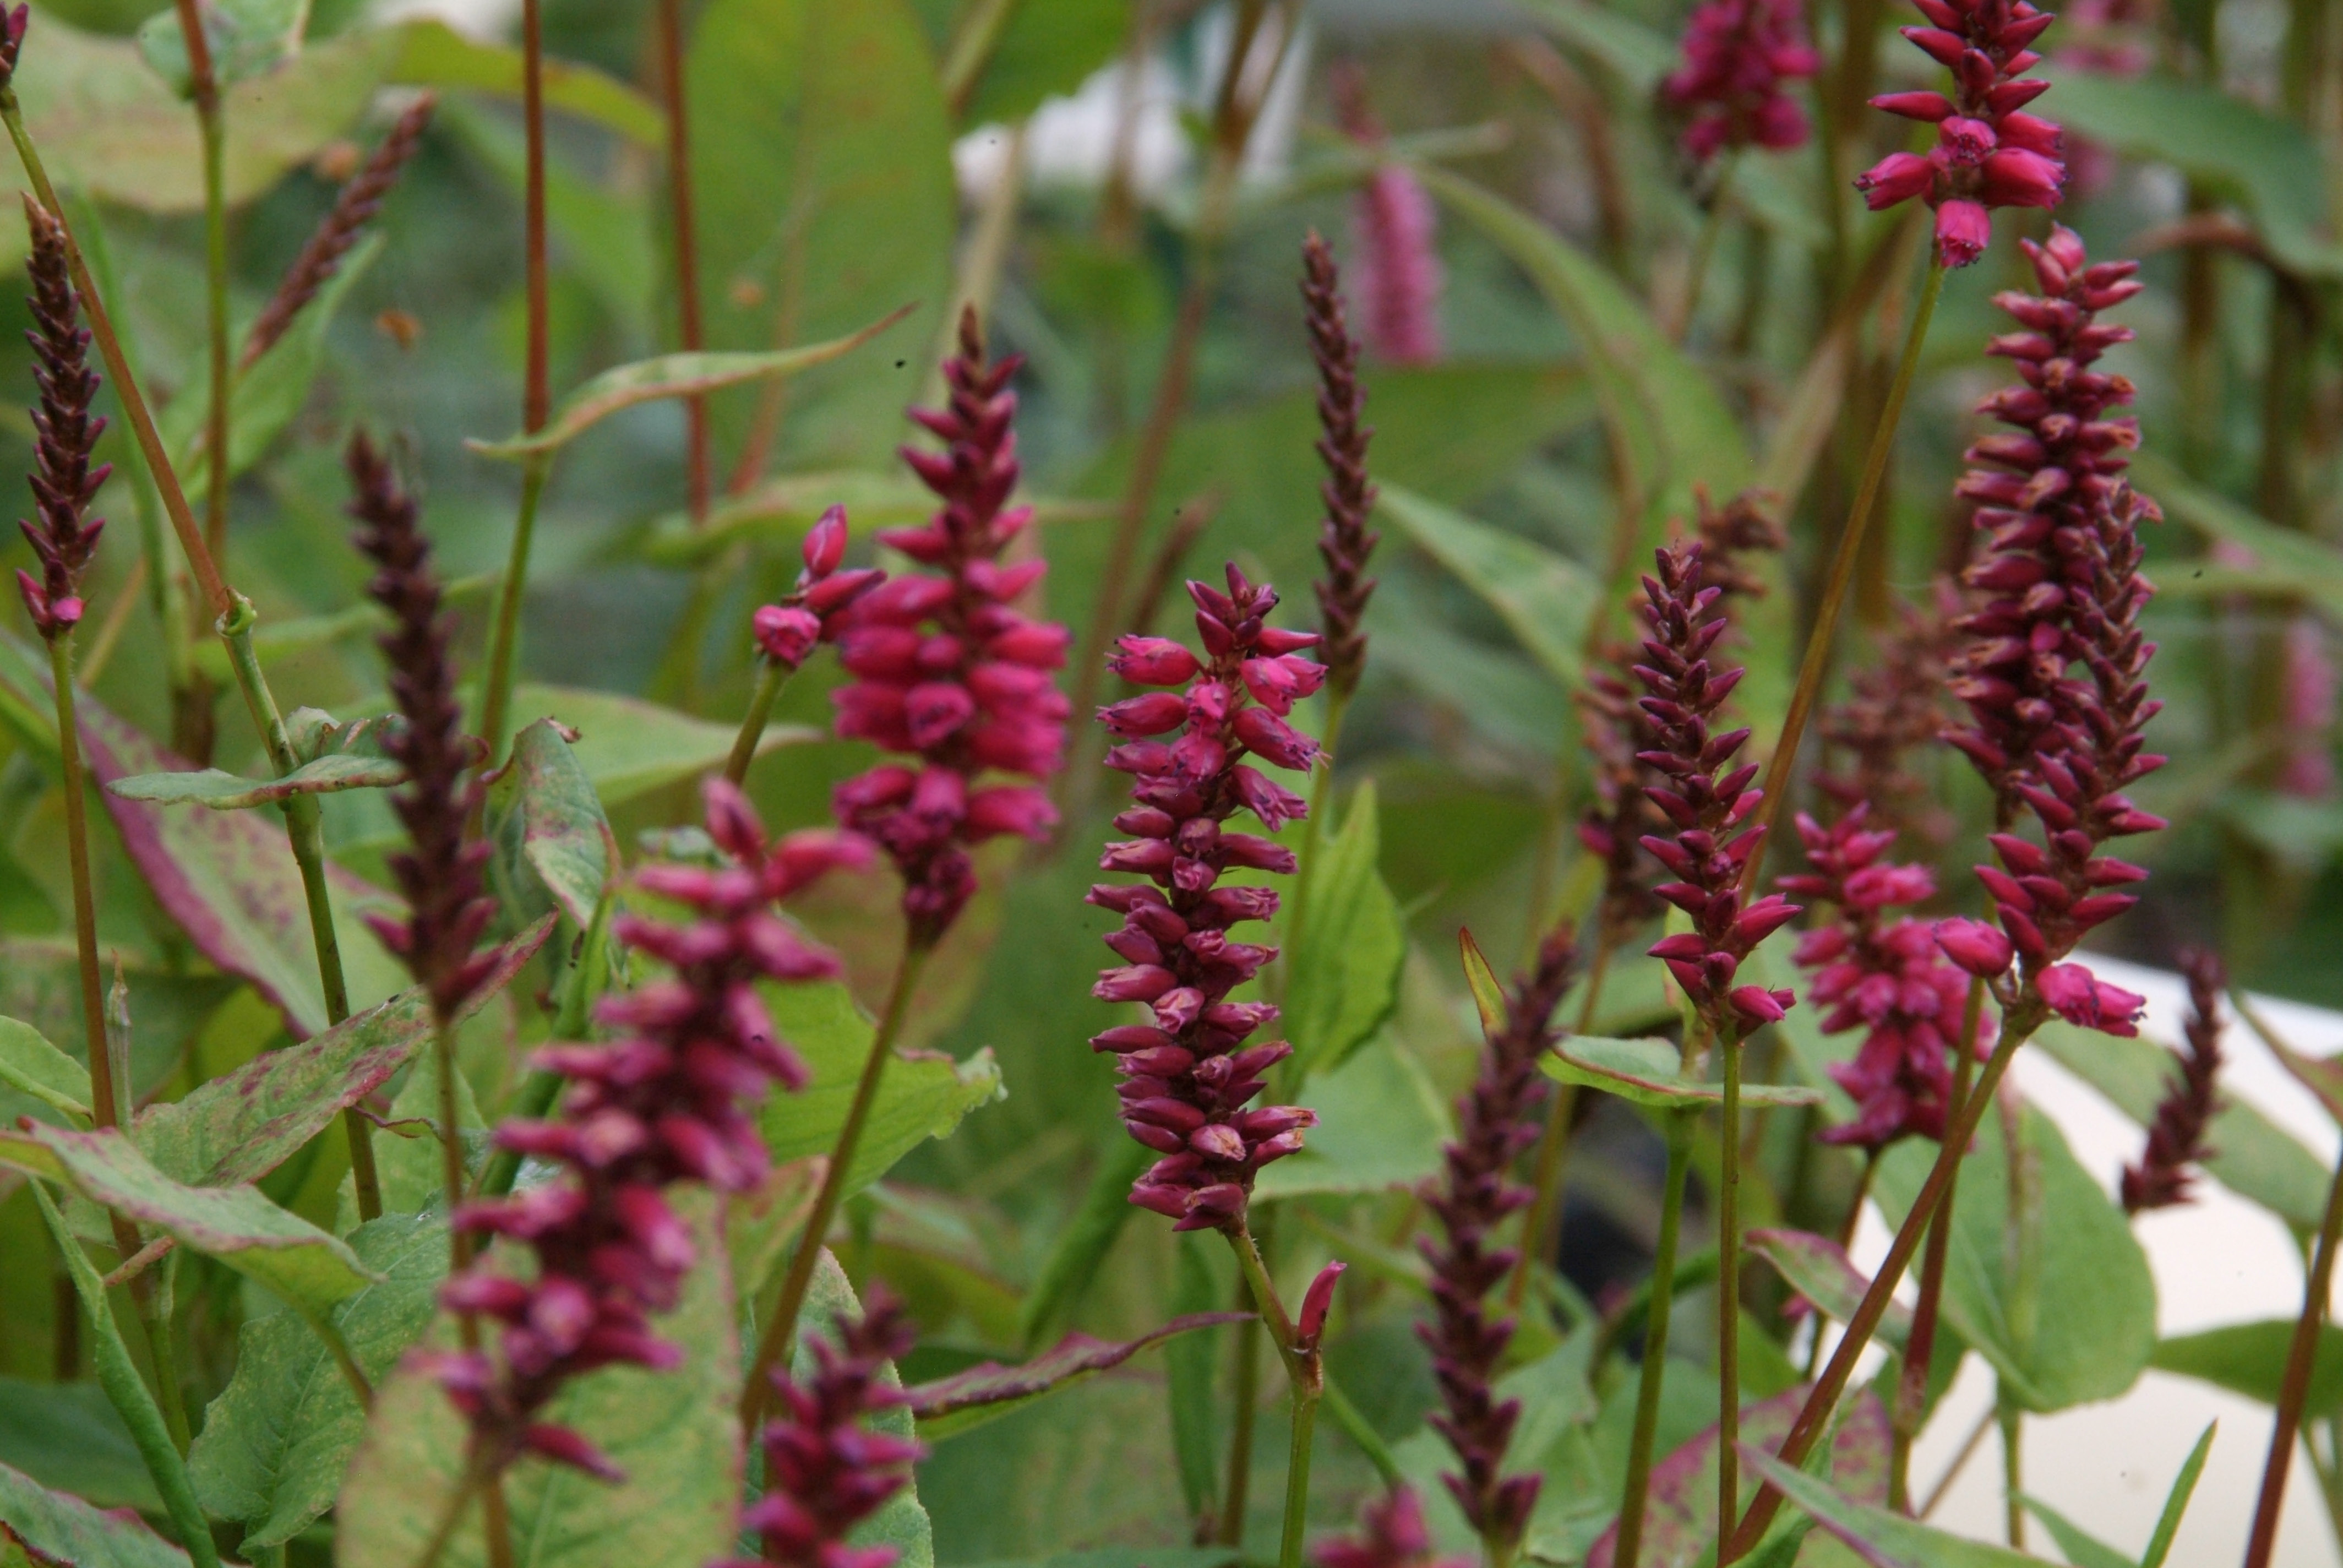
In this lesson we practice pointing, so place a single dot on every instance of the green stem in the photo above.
(1356, 1427)
(2020, 1019)
(782, 1329)
(1245, 1391)
(1850, 547)
(2294, 1388)
(109, 1096)
(216, 429)
(771, 679)
(1635, 1500)
(504, 635)
(151, 1298)
(1712, 223)
(584, 983)
(119, 1376)
(1728, 1291)
(1920, 1345)
(2013, 1470)
(1306, 1382)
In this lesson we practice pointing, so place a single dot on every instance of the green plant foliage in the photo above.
(549, 827)
(67, 1436)
(29, 1062)
(276, 1441)
(1544, 597)
(628, 747)
(1878, 1535)
(209, 787)
(1344, 980)
(2250, 1359)
(674, 1433)
(2063, 1322)
(51, 1527)
(1381, 1125)
(988, 1390)
(1650, 1073)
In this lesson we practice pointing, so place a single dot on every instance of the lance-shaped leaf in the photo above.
(426, 52)
(1343, 981)
(244, 39)
(1878, 1536)
(988, 1389)
(1381, 1125)
(547, 819)
(238, 1225)
(1648, 1072)
(675, 1434)
(759, 1223)
(224, 792)
(1544, 597)
(243, 1124)
(69, 1436)
(2250, 1359)
(629, 748)
(56, 1530)
(780, 510)
(1819, 1269)
(922, 1094)
(673, 375)
(29, 1062)
(277, 1440)
(1488, 991)
(1681, 1522)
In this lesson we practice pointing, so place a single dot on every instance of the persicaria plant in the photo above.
(604, 641)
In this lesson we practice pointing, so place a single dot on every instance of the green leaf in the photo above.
(1648, 1072)
(425, 52)
(1205, 1277)
(29, 1062)
(673, 375)
(545, 815)
(2272, 165)
(1544, 598)
(266, 397)
(1880, 1538)
(245, 38)
(408, 1160)
(1045, 48)
(1381, 1126)
(2289, 563)
(822, 155)
(2252, 1155)
(779, 510)
(1345, 977)
(1082, 1247)
(1819, 1269)
(242, 1125)
(63, 1529)
(1488, 991)
(66, 1436)
(2077, 1545)
(238, 1225)
(987, 1390)
(1637, 53)
(922, 1094)
(675, 1434)
(759, 1223)
(2071, 1324)
(629, 748)
(901, 1523)
(2176, 1502)
(2250, 1359)
(276, 1441)
(228, 792)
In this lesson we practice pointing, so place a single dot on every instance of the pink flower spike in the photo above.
(1974, 946)
(2081, 997)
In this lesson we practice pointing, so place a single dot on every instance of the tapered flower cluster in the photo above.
(1394, 227)
(826, 1471)
(2175, 1139)
(1880, 974)
(817, 608)
(2048, 896)
(1188, 1074)
(1739, 56)
(2308, 688)
(668, 1101)
(1989, 151)
(64, 536)
(1496, 1120)
(354, 208)
(1707, 845)
(1392, 1534)
(2038, 490)
(947, 671)
(1895, 707)
(1345, 540)
(441, 875)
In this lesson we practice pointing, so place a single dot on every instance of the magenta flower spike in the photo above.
(1885, 976)
(1496, 1120)
(1396, 277)
(1738, 57)
(816, 610)
(1188, 1074)
(1392, 1534)
(669, 1100)
(948, 673)
(1707, 844)
(65, 432)
(1989, 151)
(826, 1471)
(2175, 1138)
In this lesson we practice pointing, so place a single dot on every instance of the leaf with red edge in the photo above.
(1819, 1269)
(985, 1391)
(1680, 1520)
(57, 1528)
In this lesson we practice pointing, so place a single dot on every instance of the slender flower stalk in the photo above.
(1345, 542)
(2175, 1139)
(1475, 1194)
(826, 1471)
(1394, 228)
(202, 91)
(683, 239)
(355, 205)
(1989, 151)
(1392, 1534)
(951, 676)
(2294, 1383)
(814, 612)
